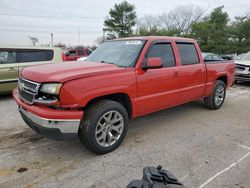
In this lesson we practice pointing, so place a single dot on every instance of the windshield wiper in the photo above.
(111, 63)
(107, 62)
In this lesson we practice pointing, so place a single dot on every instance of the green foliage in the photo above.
(240, 35)
(121, 19)
(215, 34)
(143, 31)
(212, 32)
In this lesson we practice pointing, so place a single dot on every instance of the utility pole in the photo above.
(51, 34)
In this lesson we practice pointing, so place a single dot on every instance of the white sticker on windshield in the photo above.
(133, 42)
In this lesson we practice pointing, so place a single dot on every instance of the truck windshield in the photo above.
(122, 53)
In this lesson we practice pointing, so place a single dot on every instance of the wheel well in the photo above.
(223, 78)
(122, 98)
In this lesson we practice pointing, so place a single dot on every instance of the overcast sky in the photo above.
(66, 19)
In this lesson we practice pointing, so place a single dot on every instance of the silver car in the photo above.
(243, 68)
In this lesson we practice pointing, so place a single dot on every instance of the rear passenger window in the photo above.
(35, 55)
(188, 53)
(7, 56)
(163, 51)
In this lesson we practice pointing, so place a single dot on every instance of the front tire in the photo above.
(216, 99)
(104, 126)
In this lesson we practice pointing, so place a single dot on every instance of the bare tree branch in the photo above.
(182, 17)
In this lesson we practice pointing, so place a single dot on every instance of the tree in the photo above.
(99, 40)
(151, 25)
(121, 19)
(212, 32)
(60, 45)
(240, 34)
(177, 22)
(33, 40)
(181, 18)
(148, 25)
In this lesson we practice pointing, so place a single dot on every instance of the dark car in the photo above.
(208, 57)
(227, 57)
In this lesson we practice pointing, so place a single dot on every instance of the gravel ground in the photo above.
(203, 148)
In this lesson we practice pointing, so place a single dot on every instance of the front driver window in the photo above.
(163, 51)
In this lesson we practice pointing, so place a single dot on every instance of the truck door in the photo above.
(193, 72)
(159, 88)
(8, 70)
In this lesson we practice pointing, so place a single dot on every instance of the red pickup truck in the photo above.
(122, 79)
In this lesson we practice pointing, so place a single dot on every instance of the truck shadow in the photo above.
(243, 84)
(160, 118)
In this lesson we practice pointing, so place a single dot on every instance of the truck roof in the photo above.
(158, 38)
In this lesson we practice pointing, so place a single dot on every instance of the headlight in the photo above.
(51, 88)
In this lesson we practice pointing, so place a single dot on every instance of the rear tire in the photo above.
(104, 126)
(217, 97)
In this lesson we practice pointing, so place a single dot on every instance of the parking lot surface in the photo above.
(203, 148)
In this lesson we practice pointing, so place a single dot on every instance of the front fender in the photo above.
(77, 93)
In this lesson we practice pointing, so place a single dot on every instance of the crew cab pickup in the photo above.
(122, 79)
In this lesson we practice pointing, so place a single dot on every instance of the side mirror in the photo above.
(153, 63)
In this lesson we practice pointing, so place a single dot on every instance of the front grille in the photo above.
(242, 67)
(27, 90)
(26, 96)
(28, 85)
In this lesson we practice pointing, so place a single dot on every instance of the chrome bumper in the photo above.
(242, 75)
(64, 125)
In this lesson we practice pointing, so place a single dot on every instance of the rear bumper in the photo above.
(52, 123)
(238, 78)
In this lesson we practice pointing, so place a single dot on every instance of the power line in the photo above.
(31, 31)
(45, 31)
(58, 17)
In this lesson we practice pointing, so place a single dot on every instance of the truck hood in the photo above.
(243, 62)
(62, 72)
